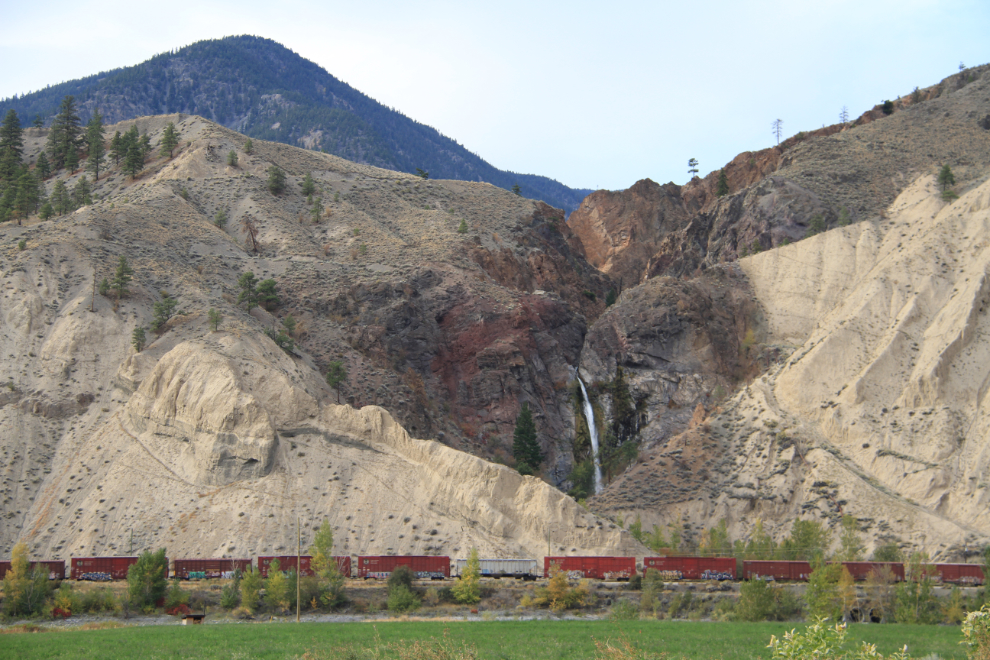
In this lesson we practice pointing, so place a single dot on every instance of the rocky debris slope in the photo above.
(877, 412)
(842, 173)
(214, 442)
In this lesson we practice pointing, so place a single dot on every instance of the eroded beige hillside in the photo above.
(878, 407)
(216, 442)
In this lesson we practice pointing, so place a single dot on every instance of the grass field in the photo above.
(515, 640)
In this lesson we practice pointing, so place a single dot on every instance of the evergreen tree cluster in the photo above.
(525, 447)
(21, 191)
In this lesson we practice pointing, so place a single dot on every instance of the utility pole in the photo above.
(298, 565)
(130, 550)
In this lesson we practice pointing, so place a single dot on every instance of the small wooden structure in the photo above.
(192, 618)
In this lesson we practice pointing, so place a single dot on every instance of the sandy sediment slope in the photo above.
(893, 356)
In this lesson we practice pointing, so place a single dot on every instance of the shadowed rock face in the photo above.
(681, 344)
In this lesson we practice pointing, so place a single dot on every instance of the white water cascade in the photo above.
(589, 416)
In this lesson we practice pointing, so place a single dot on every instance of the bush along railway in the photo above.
(425, 567)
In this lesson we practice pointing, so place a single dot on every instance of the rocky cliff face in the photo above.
(824, 376)
(875, 410)
(214, 442)
(841, 173)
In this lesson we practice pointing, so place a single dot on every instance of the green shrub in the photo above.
(176, 596)
(402, 599)
(623, 611)
(147, 580)
(97, 601)
(251, 589)
(680, 604)
(230, 596)
(762, 601)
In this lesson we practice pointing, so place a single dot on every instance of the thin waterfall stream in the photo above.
(589, 416)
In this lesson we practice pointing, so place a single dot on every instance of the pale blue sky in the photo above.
(595, 95)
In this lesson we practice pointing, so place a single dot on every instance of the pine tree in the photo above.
(121, 278)
(317, 209)
(81, 193)
(722, 189)
(946, 178)
(276, 180)
(248, 284)
(145, 143)
(63, 137)
(249, 147)
(94, 142)
(134, 160)
(43, 167)
(232, 158)
(118, 148)
(336, 375)
(308, 185)
(72, 159)
(525, 448)
(137, 339)
(170, 140)
(60, 199)
(163, 311)
(28, 196)
(267, 294)
(215, 318)
(693, 167)
(11, 147)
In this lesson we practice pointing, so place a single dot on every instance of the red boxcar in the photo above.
(423, 567)
(198, 569)
(693, 568)
(56, 568)
(860, 570)
(776, 570)
(285, 563)
(960, 573)
(101, 569)
(599, 568)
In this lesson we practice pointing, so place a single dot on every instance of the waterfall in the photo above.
(589, 416)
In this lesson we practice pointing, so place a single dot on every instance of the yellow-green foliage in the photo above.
(823, 642)
(559, 595)
(276, 588)
(24, 590)
(976, 633)
(251, 589)
(467, 590)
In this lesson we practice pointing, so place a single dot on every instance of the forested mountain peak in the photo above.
(264, 90)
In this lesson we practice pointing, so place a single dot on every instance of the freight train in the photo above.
(440, 568)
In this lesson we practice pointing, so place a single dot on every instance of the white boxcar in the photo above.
(497, 568)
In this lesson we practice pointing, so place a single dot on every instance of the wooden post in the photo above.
(298, 566)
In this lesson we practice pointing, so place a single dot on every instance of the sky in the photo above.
(594, 95)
